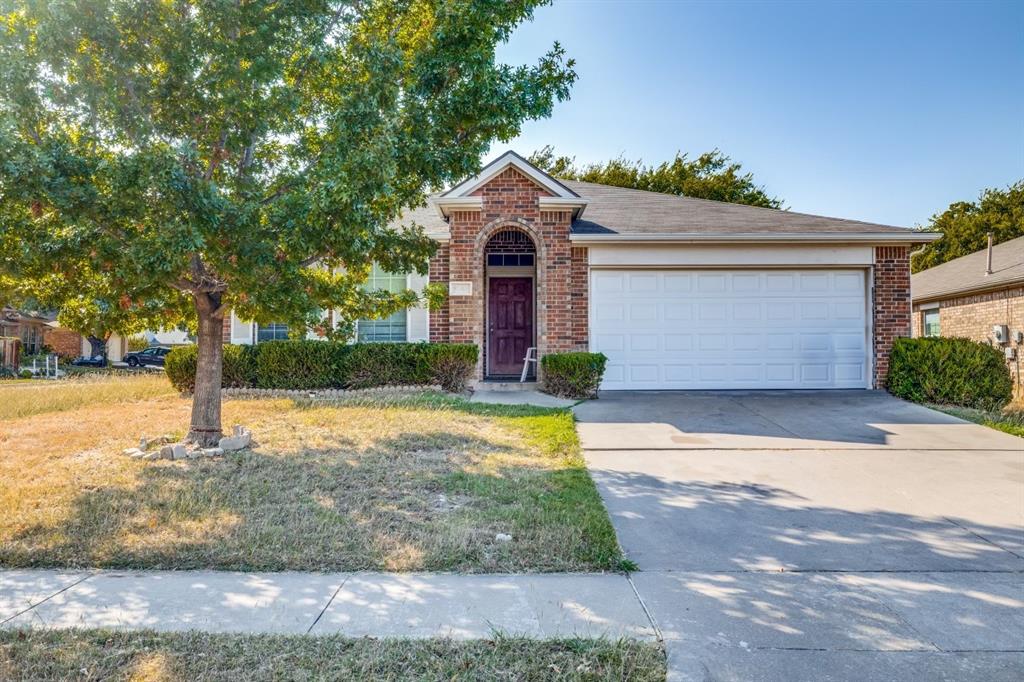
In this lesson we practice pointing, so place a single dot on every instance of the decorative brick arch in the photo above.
(511, 201)
(488, 231)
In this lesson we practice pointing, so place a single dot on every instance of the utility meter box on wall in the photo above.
(1000, 333)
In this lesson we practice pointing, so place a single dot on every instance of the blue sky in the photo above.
(886, 112)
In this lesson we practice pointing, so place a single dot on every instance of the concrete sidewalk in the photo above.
(353, 604)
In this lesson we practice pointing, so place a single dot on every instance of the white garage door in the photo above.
(718, 329)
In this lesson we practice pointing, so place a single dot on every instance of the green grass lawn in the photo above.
(42, 656)
(24, 398)
(417, 484)
(1010, 421)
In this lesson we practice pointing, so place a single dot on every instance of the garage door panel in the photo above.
(643, 312)
(711, 283)
(720, 329)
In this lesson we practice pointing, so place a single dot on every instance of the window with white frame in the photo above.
(931, 322)
(275, 331)
(393, 328)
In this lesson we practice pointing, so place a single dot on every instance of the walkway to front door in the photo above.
(509, 324)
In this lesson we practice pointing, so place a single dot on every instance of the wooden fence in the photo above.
(10, 352)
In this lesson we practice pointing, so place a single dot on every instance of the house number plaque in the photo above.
(460, 288)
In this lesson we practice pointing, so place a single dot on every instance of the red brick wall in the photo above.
(580, 299)
(510, 200)
(972, 317)
(439, 273)
(64, 342)
(891, 304)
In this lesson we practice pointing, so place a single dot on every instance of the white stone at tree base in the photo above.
(167, 452)
(213, 452)
(240, 440)
(179, 451)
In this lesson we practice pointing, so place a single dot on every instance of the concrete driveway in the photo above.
(811, 535)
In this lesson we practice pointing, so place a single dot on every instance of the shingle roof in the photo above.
(426, 217)
(967, 273)
(625, 212)
(617, 210)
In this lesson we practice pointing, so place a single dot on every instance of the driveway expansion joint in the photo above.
(982, 537)
(64, 589)
(647, 612)
(328, 604)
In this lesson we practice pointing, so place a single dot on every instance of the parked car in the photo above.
(94, 361)
(154, 355)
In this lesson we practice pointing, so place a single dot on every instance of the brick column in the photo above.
(891, 304)
(439, 270)
(580, 298)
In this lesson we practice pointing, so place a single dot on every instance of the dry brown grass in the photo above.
(417, 487)
(43, 656)
(26, 398)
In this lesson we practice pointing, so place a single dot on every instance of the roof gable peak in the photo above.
(499, 165)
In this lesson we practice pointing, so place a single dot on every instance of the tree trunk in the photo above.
(205, 429)
(97, 346)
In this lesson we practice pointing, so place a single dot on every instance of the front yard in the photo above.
(427, 484)
(100, 655)
(1009, 420)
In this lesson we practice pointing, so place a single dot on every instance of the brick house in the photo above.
(679, 293)
(968, 298)
(38, 330)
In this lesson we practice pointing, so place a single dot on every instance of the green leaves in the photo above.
(965, 226)
(949, 371)
(713, 175)
(155, 152)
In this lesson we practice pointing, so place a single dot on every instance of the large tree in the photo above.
(712, 175)
(965, 225)
(194, 156)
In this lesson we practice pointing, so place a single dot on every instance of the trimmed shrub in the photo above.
(949, 371)
(239, 368)
(451, 364)
(300, 364)
(386, 364)
(394, 364)
(573, 375)
(311, 364)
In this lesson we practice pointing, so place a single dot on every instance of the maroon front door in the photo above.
(510, 324)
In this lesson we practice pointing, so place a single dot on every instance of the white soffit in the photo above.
(459, 197)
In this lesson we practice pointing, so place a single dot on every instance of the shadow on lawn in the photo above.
(416, 500)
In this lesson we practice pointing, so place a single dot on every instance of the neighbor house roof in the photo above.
(618, 214)
(967, 273)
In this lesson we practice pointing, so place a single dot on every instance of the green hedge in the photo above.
(949, 372)
(239, 367)
(573, 375)
(310, 364)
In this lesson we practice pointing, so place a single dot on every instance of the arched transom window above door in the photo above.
(510, 248)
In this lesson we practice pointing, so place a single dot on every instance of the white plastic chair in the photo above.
(531, 356)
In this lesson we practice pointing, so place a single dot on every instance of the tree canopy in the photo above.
(174, 160)
(965, 225)
(712, 175)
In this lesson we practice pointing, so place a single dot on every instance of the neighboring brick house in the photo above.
(967, 299)
(38, 330)
(679, 293)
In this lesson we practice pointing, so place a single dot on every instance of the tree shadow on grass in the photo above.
(417, 500)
